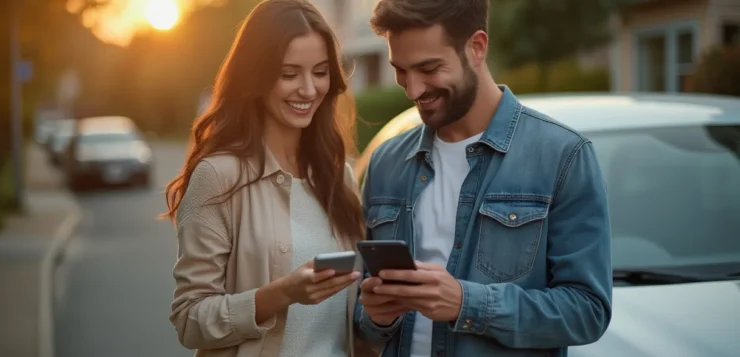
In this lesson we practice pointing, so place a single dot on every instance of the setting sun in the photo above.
(162, 14)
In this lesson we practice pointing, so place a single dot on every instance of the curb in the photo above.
(63, 235)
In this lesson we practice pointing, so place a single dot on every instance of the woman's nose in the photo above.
(308, 88)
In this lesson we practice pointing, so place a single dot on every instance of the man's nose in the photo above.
(414, 88)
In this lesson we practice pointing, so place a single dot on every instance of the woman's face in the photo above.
(303, 82)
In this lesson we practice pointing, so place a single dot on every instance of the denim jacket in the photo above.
(532, 237)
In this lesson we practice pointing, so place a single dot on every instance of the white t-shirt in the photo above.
(434, 221)
(313, 330)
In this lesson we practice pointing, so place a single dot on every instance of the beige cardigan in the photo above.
(226, 252)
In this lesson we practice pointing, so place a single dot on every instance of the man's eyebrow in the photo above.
(291, 65)
(420, 64)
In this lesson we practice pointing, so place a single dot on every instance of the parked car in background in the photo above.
(672, 167)
(109, 151)
(61, 132)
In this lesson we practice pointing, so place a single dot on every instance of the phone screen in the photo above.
(380, 255)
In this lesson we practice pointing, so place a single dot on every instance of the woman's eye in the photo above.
(321, 74)
(289, 75)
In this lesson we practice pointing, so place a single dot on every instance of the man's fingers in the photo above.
(429, 266)
(407, 291)
(411, 276)
(369, 283)
(369, 299)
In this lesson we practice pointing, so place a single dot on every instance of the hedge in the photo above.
(718, 72)
(376, 106)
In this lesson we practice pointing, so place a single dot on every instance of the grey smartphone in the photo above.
(341, 262)
(386, 254)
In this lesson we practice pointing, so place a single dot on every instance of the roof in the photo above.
(589, 112)
(106, 124)
(609, 111)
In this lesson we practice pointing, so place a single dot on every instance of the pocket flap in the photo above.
(514, 213)
(379, 214)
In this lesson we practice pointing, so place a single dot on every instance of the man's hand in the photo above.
(438, 297)
(383, 310)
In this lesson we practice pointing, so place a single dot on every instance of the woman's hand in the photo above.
(307, 287)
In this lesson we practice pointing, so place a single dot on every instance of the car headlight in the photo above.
(143, 154)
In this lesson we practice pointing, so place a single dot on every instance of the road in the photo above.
(114, 286)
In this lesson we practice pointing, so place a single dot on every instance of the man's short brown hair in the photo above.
(459, 18)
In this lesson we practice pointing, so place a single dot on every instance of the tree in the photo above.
(546, 31)
(718, 72)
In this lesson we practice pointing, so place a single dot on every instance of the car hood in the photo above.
(682, 320)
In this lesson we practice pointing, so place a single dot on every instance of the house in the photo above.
(365, 52)
(659, 42)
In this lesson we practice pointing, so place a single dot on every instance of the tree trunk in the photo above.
(5, 79)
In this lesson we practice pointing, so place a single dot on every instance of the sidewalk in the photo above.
(29, 245)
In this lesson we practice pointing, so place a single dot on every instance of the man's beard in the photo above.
(458, 101)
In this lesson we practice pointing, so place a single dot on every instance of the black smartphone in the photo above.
(386, 254)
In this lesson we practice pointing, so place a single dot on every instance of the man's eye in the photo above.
(429, 70)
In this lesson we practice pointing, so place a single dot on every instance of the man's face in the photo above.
(435, 77)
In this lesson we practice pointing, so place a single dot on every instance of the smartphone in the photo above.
(341, 262)
(386, 254)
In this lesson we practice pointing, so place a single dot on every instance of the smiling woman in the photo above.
(162, 14)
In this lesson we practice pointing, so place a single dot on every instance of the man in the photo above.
(504, 208)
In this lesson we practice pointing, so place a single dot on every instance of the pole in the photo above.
(16, 105)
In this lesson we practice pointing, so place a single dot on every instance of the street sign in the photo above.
(24, 71)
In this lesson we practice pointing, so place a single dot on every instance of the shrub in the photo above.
(375, 107)
(564, 76)
(718, 72)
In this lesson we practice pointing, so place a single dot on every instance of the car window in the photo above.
(105, 138)
(674, 194)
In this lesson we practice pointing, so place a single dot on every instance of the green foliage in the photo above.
(375, 107)
(718, 72)
(564, 76)
(546, 31)
(6, 189)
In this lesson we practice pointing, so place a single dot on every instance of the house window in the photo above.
(685, 64)
(652, 63)
(666, 57)
(731, 34)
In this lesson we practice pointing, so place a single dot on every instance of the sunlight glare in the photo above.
(162, 14)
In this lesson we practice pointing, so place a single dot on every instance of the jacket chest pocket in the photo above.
(383, 222)
(509, 237)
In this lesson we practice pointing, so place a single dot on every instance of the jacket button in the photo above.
(512, 216)
(423, 179)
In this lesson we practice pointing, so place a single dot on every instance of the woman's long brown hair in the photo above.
(234, 122)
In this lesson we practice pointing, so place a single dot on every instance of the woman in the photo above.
(266, 187)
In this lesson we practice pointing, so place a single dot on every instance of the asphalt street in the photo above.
(114, 285)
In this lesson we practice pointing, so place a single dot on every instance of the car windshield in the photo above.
(106, 138)
(674, 195)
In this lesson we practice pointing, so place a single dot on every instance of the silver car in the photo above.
(108, 151)
(672, 166)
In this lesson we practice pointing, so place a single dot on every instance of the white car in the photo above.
(672, 166)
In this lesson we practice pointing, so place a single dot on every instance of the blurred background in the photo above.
(107, 90)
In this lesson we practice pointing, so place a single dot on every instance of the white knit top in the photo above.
(313, 330)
